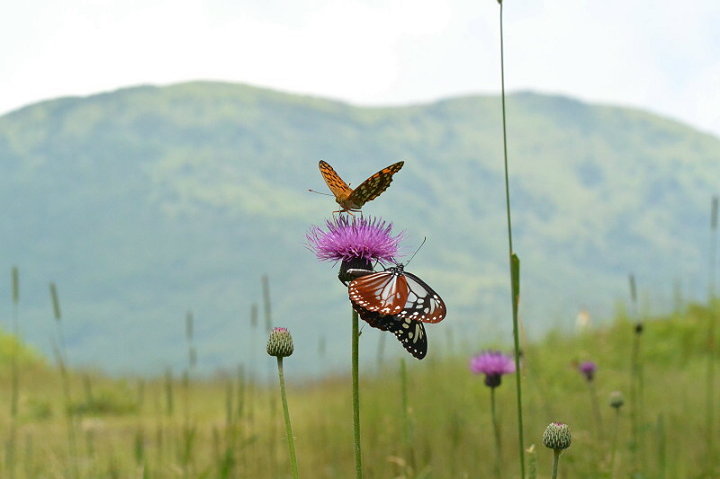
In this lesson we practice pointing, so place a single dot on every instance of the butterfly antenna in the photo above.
(319, 192)
(416, 251)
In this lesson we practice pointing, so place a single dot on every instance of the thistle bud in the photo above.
(616, 399)
(557, 436)
(280, 343)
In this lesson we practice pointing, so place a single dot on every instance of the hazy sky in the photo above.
(660, 55)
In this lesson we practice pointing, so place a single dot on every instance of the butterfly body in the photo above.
(353, 199)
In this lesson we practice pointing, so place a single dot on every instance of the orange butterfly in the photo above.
(352, 200)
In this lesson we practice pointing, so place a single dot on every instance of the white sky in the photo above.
(659, 55)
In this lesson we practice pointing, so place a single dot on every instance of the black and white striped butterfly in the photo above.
(395, 292)
(410, 332)
(396, 301)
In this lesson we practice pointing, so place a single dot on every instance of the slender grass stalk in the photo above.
(189, 430)
(15, 374)
(636, 382)
(356, 395)
(191, 361)
(532, 462)
(61, 355)
(710, 398)
(29, 457)
(405, 414)
(266, 303)
(496, 431)
(596, 410)
(140, 396)
(288, 425)
(661, 447)
(139, 446)
(514, 261)
(169, 393)
(189, 334)
(247, 384)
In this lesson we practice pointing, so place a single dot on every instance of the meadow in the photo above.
(432, 422)
(637, 392)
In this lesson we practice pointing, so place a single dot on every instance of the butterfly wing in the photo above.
(385, 292)
(423, 303)
(410, 332)
(337, 186)
(373, 186)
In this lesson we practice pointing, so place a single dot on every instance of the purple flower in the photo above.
(353, 239)
(587, 369)
(493, 364)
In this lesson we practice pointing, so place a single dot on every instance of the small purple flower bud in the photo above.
(280, 343)
(557, 436)
(616, 399)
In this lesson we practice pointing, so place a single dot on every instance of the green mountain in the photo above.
(147, 202)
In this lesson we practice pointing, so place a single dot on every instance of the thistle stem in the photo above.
(613, 446)
(596, 410)
(496, 430)
(556, 462)
(356, 395)
(514, 281)
(288, 425)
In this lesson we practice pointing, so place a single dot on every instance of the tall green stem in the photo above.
(288, 425)
(596, 410)
(513, 260)
(407, 426)
(556, 462)
(356, 395)
(496, 430)
(15, 378)
(711, 358)
(613, 445)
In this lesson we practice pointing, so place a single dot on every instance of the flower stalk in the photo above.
(496, 431)
(280, 345)
(557, 437)
(493, 364)
(356, 395)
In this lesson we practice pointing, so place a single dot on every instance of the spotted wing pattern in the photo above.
(339, 188)
(375, 185)
(352, 200)
(397, 293)
(423, 303)
(410, 332)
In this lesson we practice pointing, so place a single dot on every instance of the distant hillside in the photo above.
(147, 202)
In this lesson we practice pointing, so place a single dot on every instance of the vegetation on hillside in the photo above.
(146, 202)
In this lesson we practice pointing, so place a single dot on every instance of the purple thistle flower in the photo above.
(357, 242)
(493, 364)
(587, 369)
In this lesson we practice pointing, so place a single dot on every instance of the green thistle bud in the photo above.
(616, 399)
(557, 436)
(280, 343)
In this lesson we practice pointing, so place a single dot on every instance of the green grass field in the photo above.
(227, 427)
